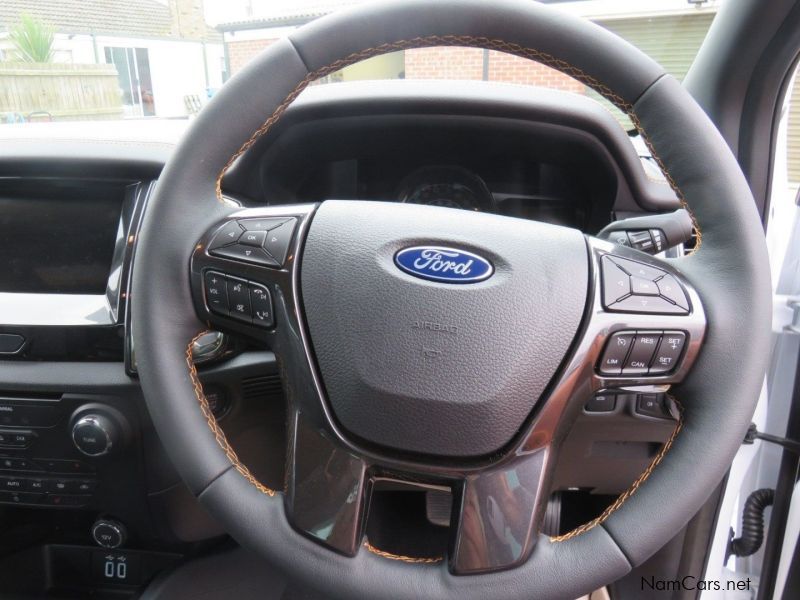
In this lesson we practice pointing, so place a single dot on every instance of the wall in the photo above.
(240, 52)
(474, 63)
(178, 68)
(65, 92)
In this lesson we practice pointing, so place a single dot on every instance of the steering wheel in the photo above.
(449, 348)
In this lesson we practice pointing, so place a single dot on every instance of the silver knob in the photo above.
(109, 533)
(94, 434)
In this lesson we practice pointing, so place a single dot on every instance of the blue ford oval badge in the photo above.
(443, 264)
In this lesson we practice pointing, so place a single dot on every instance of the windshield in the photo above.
(79, 60)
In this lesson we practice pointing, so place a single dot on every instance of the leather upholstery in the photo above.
(730, 271)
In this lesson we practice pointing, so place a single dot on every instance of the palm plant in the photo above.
(33, 40)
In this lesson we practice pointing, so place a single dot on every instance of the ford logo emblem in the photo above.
(443, 264)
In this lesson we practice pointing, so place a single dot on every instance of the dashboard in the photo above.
(76, 443)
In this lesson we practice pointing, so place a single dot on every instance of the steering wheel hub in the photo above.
(432, 367)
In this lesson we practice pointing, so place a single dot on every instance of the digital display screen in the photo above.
(57, 237)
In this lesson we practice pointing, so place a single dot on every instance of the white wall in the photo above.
(177, 67)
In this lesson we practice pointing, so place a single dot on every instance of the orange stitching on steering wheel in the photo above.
(400, 557)
(634, 486)
(418, 42)
(219, 435)
(469, 41)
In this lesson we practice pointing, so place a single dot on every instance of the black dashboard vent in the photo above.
(261, 386)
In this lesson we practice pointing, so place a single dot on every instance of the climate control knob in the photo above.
(95, 434)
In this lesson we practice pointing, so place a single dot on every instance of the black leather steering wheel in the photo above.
(467, 384)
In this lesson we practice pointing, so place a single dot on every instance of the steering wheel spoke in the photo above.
(499, 513)
(326, 496)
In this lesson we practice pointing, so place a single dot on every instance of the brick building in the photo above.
(670, 31)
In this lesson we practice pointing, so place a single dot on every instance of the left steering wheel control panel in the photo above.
(239, 265)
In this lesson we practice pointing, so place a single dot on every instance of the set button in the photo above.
(243, 300)
(642, 353)
(631, 286)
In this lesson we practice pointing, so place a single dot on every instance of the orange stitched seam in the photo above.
(450, 40)
(631, 490)
(471, 41)
(219, 435)
(400, 557)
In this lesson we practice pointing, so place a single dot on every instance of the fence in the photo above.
(72, 92)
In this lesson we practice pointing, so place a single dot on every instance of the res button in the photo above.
(644, 347)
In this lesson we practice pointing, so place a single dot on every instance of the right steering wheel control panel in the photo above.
(642, 353)
(630, 286)
(652, 341)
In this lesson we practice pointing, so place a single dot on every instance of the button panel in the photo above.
(653, 405)
(39, 490)
(246, 301)
(16, 438)
(650, 290)
(637, 353)
(259, 241)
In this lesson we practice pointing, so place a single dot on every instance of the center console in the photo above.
(66, 246)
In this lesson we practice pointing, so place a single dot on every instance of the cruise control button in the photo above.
(246, 254)
(227, 235)
(264, 224)
(616, 282)
(262, 305)
(670, 289)
(277, 243)
(647, 304)
(253, 238)
(644, 347)
(239, 299)
(668, 353)
(216, 293)
(615, 353)
(643, 287)
(638, 269)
